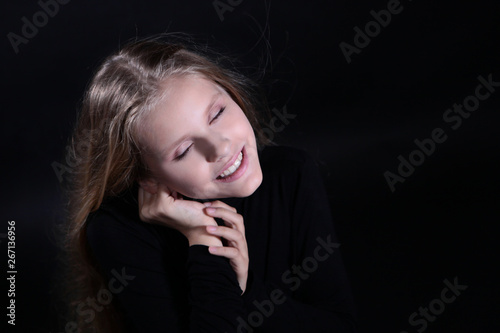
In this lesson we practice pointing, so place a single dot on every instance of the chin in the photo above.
(239, 192)
(251, 185)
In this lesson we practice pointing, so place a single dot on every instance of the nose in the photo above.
(215, 147)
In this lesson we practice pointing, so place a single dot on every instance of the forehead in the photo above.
(180, 92)
(181, 108)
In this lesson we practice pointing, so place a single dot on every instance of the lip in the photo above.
(238, 173)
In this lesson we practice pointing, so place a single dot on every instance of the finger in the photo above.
(231, 235)
(238, 263)
(218, 203)
(152, 204)
(231, 218)
(164, 189)
(224, 251)
(164, 199)
(146, 196)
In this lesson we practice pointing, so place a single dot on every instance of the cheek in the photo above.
(187, 179)
(239, 124)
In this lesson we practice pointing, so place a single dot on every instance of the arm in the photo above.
(155, 298)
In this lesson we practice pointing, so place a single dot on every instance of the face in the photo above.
(199, 142)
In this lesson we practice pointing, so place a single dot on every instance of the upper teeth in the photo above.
(233, 167)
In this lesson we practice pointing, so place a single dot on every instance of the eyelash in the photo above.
(181, 156)
(218, 114)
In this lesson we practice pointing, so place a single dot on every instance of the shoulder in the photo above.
(283, 158)
(117, 221)
(287, 152)
(289, 171)
(292, 169)
(114, 213)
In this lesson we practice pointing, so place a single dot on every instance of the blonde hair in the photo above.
(104, 143)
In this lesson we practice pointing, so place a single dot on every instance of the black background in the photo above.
(355, 118)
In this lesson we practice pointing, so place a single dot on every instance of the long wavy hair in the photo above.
(105, 150)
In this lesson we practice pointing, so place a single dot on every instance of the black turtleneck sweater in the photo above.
(296, 282)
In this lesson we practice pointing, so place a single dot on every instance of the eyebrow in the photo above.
(171, 149)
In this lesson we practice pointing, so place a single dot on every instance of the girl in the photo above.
(181, 221)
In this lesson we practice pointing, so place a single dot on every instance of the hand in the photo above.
(157, 204)
(236, 249)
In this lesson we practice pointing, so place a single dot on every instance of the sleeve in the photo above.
(318, 296)
(149, 290)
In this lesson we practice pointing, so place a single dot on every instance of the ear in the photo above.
(149, 185)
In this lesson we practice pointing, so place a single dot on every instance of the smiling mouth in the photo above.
(236, 170)
(235, 166)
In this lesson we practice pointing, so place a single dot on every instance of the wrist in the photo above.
(199, 236)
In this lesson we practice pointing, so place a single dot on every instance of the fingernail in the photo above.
(211, 228)
(208, 203)
(210, 210)
(212, 249)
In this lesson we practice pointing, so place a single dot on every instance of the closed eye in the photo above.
(181, 156)
(218, 114)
